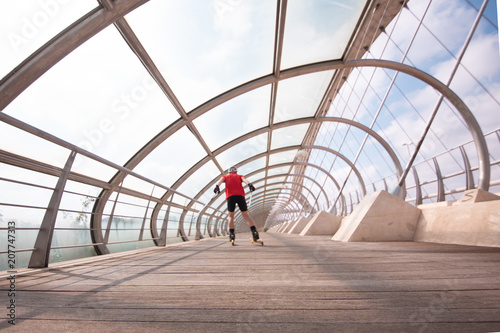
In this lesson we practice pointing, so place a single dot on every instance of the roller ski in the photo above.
(255, 238)
(258, 241)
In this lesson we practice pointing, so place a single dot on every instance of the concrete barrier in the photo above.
(297, 228)
(322, 223)
(379, 217)
(290, 225)
(472, 220)
(284, 226)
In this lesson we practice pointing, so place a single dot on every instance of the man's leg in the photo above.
(244, 212)
(230, 222)
(251, 224)
(248, 218)
(231, 205)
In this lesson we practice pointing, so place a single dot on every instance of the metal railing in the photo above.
(127, 221)
(439, 190)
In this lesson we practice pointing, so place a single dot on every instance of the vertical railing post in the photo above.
(418, 189)
(163, 233)
(469, 178)
(141, 233)
(111, 215)
(439, 180)
(40, 256)
(180, 230)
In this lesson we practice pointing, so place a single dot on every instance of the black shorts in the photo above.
(236, 199)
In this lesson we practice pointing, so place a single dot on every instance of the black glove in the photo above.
(216, 189)
(251, 187)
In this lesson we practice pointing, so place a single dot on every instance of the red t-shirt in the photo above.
(233, 185)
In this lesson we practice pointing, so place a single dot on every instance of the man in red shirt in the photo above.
(235, 194)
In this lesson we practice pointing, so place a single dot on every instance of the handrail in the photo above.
(458, 190)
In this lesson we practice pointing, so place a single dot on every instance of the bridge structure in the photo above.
(370, 130)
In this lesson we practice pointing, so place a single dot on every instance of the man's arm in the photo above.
(221, 180)
(250, 186)
(244, 180)
(217, 188)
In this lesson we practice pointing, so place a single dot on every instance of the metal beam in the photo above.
(40, 256)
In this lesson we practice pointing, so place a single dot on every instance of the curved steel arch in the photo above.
(290, 213)
(287, 194)
(450, 95)
(266, 192)
(298, 175)
(201, 213)
(295, 191)
(289, 123)
(305, 164)
(266, 129)
(345, 159)
(289, 164)
(271, 191)
(291, 196)
(200, 163)
(219, 208)
(271, 202)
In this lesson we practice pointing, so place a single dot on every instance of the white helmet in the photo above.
(233, 169)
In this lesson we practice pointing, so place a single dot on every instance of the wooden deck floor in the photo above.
(292, 284)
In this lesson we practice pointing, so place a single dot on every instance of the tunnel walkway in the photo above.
(291, 284)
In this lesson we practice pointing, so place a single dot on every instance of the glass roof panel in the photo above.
(115, 108)
(274, 186)
(257, 192)
(310, 25)
(278, 171)
(277, 179)
(169, 161)
(252, 166)
(195, 183)
(27, 25)
(283, 157)
(234, 118)
(300, 96)
(289, 136)
(207, 47)
(256, 177)
(259, 183)
(242, 151)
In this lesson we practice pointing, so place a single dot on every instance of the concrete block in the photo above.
(289, 226)
(301, 223)
(379, 217)
(476, 224)
(476, 195)
(283, 226)
(322, 223)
